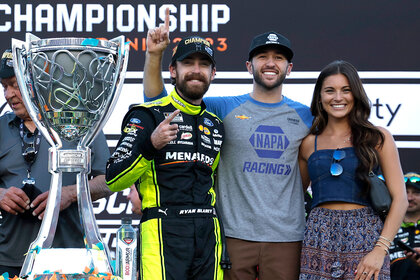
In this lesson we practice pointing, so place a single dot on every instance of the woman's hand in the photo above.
(371, 264)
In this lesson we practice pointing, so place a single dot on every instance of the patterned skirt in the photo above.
(336, 240)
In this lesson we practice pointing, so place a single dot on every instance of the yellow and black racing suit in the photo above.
(180, 232)
(401, 267)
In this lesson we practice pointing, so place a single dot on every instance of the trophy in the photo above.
(70, 87)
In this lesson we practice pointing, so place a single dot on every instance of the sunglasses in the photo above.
(336, 169)
(29, 144)
(412, 179)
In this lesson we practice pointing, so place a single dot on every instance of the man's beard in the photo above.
(195, 92)
(413, 210)
(259, 80)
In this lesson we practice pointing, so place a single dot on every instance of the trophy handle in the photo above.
(19, 65)
(118, 83)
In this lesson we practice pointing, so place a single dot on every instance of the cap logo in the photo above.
(198, 47)
(7, 55)
(209, 50)
(9, 63)
(197, 40)
(272, 37)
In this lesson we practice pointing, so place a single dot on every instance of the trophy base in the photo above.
(58, 276)
(70, 261)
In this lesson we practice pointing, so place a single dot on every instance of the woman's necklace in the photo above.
(345, 141)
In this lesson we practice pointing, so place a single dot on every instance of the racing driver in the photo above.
(171, 147)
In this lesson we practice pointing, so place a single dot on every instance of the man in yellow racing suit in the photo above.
(171, 148)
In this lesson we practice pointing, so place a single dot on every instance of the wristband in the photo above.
(386, 239)
(386, 250)
(386, 245)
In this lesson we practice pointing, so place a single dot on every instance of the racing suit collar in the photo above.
(410, 224)
(184, 105)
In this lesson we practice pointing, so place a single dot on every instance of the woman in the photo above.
(344, 238)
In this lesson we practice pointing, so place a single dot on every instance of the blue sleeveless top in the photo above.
(327, 188)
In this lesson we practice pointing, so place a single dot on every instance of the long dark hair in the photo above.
(365, 136)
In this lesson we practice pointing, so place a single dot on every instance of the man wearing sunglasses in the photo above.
(405, 265)
(25, 180)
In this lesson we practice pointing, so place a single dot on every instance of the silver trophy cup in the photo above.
(70, 87)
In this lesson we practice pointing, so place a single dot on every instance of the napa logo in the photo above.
(269, 141)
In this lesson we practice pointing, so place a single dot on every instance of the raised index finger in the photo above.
(171, 116)
(167, 19)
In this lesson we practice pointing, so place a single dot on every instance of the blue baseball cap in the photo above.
(412, 179)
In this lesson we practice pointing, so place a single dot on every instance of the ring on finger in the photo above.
(364, 273)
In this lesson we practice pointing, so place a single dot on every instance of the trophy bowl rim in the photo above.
(74, 43)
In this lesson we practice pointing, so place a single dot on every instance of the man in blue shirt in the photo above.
(259, 189)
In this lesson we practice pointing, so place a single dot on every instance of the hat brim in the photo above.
(414, 185)
(185, 55)
(284, 50)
